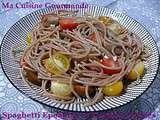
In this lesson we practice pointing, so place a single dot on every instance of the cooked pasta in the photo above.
(71, 57)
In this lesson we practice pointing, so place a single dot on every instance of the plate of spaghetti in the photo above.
(91, 59)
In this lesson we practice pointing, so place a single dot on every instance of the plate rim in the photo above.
(66, 110)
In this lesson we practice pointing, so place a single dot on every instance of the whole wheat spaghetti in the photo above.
(81, 43)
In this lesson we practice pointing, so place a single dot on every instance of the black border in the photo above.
(43, 104)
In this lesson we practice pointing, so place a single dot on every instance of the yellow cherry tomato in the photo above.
(136, 72)
(59, 60)
(50, 66)
(60, 89)
(113, 90)
(28, 40)
(116, 29)
(106, 20)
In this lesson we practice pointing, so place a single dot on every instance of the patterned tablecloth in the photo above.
(144, 11)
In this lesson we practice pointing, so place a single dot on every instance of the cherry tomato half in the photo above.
(68, 23)
(59, 60)
(109, 62)
(60, 89)
(114, 89)
(106, 20)
(132, 75)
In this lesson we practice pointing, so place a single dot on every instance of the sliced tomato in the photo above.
(92, 37)
(109, 62)
(68, 23)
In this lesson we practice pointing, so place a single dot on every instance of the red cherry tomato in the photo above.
(68, 23)
(109, 62)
